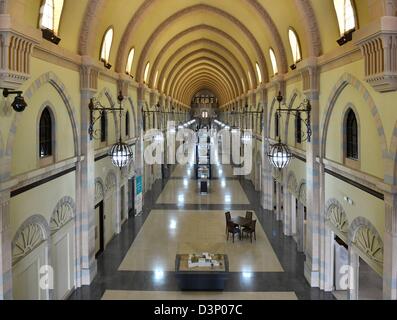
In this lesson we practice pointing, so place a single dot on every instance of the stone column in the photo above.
(312, 263)
(85, 189)
(279, 202)
(390, 248)
(354, 274)
(5, 248)
(139, 147)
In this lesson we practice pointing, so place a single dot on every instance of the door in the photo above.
(131, 197)
(63, 259)
(99, 229)
(122, 205)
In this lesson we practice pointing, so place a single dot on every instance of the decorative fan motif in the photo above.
(370, 243)
(111, 181)
(302, 194)
(338, 219)
(28, 240)
(99, 191)
(292, 184)
(277, 175)
(61, 216)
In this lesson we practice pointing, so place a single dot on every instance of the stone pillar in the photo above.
(326, 244)
(85, 190)
(390, 248)
(312, 263)
(139, 147)
(5, 248)
(279, 202)
(354, 274)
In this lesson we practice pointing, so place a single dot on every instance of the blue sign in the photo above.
(139, 185)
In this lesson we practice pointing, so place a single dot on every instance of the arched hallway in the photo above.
(283, 279)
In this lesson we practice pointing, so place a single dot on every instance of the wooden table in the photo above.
(241, 221)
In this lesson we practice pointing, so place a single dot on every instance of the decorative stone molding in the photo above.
(364, 236)
(336, 218)
(292, 183)
(310, 75)
(63, 213)
(32, 233)
(89, 73)
(380, 54)
(15, 53)
(302, 197)
(111, 181)
(99, 190)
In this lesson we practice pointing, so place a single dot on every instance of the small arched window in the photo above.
(146, 73)
(107, 46)
(104, 127)
(127, 124)
(295, 45)
(130, 60)
(50, 15)
(274, 61)
(346, 16)
(155, 79)
(45, 134)
(351, 135)
(258, 71)
(250, 79)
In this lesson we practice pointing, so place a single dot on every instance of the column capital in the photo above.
(89, 74)
(16, 49)
(377, 43)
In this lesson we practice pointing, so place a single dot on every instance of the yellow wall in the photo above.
(365, 205)
(32, 202)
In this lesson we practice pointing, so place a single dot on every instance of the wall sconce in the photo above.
(279, 154)
(19, 104)
(96, 106)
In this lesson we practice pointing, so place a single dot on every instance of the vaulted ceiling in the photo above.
(199, 44)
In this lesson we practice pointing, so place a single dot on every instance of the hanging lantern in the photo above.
(121, 154)
(279, 155)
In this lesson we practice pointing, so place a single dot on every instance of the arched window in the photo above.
(104, 127)
(130, 60)
(45, 134)
(250, 79)
(351, 135)
(163, 85)
(258, 71)
(274, 61)
(155, 79)
(146, 73)
(50, 15)
(295, 46)
(106, 47)
(127, 124)
(346, 16)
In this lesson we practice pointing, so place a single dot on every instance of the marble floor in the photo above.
(166, 233)
(225, 296)
(138, 263)
(187, 191)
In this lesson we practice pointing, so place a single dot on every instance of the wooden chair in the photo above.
(233, 229)
(248, 215)
(228, 217)
(251, 230)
